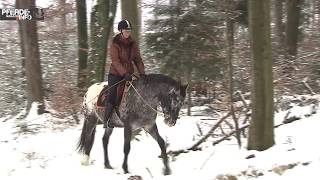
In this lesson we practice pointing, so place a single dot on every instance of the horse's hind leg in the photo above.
(105, 141)
(155, 134)
(88, 135)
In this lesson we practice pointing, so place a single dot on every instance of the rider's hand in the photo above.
(128, 77)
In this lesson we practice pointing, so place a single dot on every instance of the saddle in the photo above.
(122, 90)
(103, 95)
(121, 93)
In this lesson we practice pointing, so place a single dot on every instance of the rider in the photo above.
(124, 51)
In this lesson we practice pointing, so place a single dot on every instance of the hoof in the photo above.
(85, 161)
(135, 177)
(125, 169)
(108, 167)
(125, 172)
(166, 171)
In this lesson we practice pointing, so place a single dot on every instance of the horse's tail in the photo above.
(86, 139)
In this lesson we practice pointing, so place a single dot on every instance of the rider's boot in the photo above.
(107, 114)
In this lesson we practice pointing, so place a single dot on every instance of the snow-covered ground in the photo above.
(46, 150)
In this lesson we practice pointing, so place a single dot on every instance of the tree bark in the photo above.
(230, 43)
(292, 26)
(82, 42)
(23, 60)
(278, 11)
(33, 69)
(261, 135)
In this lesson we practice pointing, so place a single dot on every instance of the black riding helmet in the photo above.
(124, 24)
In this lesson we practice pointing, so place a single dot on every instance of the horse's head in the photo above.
(172, 103)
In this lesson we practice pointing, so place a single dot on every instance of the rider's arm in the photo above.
(137, 59)
(114, 53)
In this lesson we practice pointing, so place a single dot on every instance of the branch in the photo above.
(203, 139)
(230, 134)
(307, 86)
(242, 99)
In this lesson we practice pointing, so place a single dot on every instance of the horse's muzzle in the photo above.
(169, 121)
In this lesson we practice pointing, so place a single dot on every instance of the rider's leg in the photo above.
(111, 99)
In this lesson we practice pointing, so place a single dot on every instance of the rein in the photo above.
(145, 102)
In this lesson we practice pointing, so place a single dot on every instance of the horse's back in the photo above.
(91, 97)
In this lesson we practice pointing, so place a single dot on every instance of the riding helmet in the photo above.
(124, 24)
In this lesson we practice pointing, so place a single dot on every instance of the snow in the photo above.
(49, 153)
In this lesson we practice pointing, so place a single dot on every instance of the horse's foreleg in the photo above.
(155, 134)
(105, 141)
(127, 141)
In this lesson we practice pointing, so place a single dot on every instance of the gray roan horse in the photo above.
(138, 111)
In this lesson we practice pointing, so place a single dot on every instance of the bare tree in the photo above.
(292, 26)
(278, 15)
(261, 135)
(82, 41)
(29, 38)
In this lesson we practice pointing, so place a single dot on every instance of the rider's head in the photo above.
(125, 28)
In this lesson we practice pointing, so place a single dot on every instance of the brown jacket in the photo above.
(120, 51)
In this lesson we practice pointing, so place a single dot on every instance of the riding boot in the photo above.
(107, 114)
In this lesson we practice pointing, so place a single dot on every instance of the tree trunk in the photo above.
(33, 69)
(261, 135)
(82, 42)
(278, 14)
(130, 11)
(23, 62)
(292, 26)
(63, 39)
(230, 43)
(102, 17)
(189, 81)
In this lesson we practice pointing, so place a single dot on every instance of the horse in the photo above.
(139, 111)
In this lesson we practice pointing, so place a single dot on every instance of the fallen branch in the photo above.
(229, 134)
(199, 129)
(203, 139)
(194, 147)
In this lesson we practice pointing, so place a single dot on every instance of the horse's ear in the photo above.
(183, 90)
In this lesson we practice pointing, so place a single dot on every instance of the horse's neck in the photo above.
(161, 91)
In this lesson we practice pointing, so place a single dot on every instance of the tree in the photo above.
(29, 38)
(185, 39)
(18, 6)
(82, 41)
(278, 14)
(230, 16)
(292, 26)
(102, 17)
(130, 11)
(261, 135)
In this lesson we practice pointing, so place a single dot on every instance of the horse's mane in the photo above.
(160, 78)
